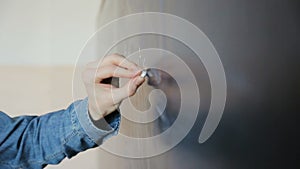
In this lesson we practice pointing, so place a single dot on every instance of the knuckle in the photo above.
(115, 56)
(108, 58)
(118, 55)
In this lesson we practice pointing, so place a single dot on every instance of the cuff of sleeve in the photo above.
(99, 131)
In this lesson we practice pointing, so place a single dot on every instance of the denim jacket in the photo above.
(32, 142)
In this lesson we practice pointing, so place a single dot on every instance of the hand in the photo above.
(104, 97)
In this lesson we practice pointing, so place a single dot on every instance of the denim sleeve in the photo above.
(32, 142)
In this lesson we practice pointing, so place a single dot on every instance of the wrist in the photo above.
(95, 115)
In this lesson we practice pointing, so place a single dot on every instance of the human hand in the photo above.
(104, 97)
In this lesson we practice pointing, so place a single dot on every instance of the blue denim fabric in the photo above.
(32, 142)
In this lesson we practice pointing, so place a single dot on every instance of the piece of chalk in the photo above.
(144, 73)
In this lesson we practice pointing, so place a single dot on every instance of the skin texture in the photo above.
(105, 97)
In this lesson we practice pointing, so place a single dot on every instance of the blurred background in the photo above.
(257, 41)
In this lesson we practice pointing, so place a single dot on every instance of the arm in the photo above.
(35, 141)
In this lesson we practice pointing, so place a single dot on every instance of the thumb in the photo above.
(127, 90)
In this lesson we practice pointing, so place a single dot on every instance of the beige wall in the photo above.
(35, 89)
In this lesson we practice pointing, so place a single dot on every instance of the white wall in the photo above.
(47, 32)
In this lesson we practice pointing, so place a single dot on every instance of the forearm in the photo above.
(35, 141)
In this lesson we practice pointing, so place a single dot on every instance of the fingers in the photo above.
(119, 60)
(133, 85)
(111, 66)
(128, 90)
(113, 71)
(108, 96)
